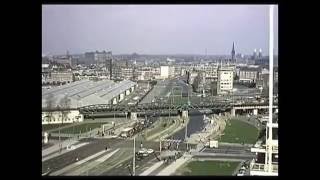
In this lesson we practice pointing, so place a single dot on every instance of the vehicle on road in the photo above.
(212, 144)
(143, 152)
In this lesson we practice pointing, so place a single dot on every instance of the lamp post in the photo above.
(134, 156)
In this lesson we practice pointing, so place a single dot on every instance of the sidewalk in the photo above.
(151, 169)
(56, 147)
(64, 150)
(169, 170)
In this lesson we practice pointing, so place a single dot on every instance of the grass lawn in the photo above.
(46, 127)
(218, 168)
(238, 132)
(80, 128)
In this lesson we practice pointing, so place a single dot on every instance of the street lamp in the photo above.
(134, 156)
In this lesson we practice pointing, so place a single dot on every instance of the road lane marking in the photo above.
(152, 168)
(104, 158)
(67, 168)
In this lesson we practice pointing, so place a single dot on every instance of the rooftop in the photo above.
(86, 92)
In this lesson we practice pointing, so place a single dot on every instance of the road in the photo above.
(95, 146)
(68, 158)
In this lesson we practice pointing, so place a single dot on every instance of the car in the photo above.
(150, 151)
(143, 151)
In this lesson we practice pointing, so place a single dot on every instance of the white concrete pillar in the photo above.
(233, 112)
(185, 114)
(133, 116)
(45, 140)
(255, 111)
(121, 96)
(114, 101)
(127, 92)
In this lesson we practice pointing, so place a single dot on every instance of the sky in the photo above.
(157, 29)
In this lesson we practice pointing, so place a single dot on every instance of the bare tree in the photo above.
(50, 103)
(64, 105)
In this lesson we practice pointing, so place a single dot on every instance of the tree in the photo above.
(50, 103)
(265, 91)
(196, 82)
(213, 88)
(65, 105)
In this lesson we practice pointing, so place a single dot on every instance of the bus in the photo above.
(127, 132)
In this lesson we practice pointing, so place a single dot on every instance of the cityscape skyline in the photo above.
(75, 28)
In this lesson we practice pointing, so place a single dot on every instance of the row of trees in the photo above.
(64, 105)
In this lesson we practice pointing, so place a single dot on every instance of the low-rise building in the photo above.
(57, 117)
(58, 77)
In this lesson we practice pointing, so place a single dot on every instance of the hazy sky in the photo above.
(156, 29)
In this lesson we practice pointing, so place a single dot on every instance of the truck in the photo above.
(212, 144)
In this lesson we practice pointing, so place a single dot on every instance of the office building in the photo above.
(225, 80)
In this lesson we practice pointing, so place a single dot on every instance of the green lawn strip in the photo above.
(46, 127)
(202, 168)
(239, 132)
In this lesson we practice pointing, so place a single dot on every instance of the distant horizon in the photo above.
(157, 29)
(177, 54)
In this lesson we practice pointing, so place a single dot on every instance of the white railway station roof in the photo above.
(86, 92)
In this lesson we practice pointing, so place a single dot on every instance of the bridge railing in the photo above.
(156, 106)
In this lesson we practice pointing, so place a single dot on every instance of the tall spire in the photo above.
(233, 53)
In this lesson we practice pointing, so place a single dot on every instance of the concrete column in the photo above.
(45, 140)
(127, 92)
(121, 96)
(255, 111)
(114, 101)
(184, 114)
(133, 116)
(233, 112)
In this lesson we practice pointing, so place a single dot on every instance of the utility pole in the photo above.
(186, 135)
(134, 156)
(269, 140)
(160, 148)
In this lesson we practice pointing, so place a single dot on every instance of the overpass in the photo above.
(151, 107)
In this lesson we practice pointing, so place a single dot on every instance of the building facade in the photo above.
(225, 80)
(248, 74)
(127, 73)
(57, 117)
(97, 57)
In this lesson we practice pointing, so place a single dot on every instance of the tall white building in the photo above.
(166, 71)
(225, 80)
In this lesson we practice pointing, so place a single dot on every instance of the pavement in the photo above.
(92, 164)
(68, 168)
(64, 150)
(152, 168)
(171, 169)
(70, 157)
(56, 147)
